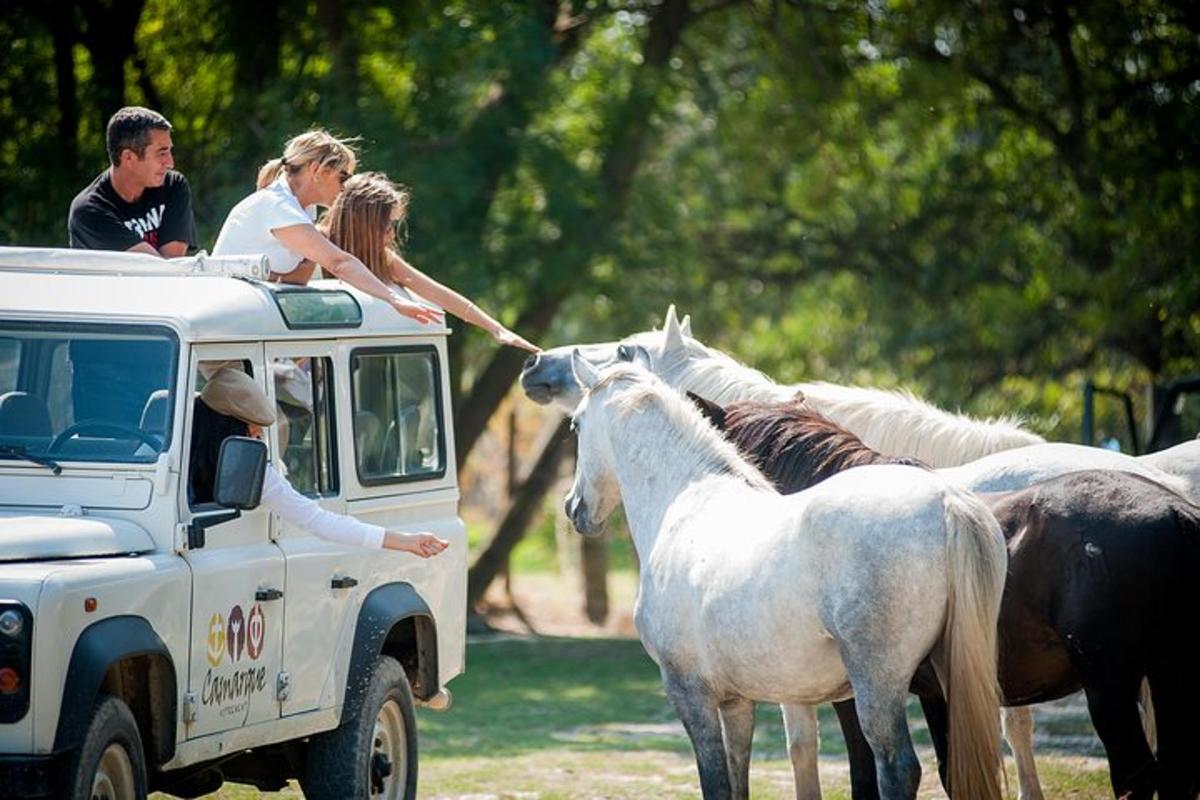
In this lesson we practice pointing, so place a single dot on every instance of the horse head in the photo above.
(594, 493)
(547, 377)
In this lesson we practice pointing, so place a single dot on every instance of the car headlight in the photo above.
(12, 623)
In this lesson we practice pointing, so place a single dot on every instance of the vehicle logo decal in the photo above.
(216, 639)
(256, 629)
(235, 632)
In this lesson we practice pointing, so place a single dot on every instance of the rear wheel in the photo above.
(110, 764)
(373, 755)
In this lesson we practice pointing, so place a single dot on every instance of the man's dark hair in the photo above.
(129, 129)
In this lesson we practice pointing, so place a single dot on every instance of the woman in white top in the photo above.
(364, 220)
(232, 404)
(273, 220)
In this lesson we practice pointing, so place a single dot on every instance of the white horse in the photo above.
(895, 424)
(839, 590)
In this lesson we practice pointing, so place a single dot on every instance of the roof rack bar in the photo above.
(102, 262)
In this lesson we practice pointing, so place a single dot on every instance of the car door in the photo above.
(237, 613)
(322, 578)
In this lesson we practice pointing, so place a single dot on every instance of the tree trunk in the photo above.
(336, 18)
(525, 505)
(108, 35)
(595, 578)
(62, 29)
(255, 35)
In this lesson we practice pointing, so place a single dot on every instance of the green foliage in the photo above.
(984, 202)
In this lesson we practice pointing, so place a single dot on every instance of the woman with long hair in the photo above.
(274, 220)
(365, 220)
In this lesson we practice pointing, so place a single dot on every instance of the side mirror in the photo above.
(241, 465)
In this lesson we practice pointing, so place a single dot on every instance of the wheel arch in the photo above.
(394, 621)
(124, 657)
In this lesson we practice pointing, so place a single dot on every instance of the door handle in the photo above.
(343, 582)
(263, 595)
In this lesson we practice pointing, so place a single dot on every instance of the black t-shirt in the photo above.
(101, 220)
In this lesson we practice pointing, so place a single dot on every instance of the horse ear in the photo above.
(672, 335)
(711, 411)
(586, 375)
(685, 325)
(635, 354)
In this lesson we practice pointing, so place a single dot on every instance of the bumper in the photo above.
(25, 776)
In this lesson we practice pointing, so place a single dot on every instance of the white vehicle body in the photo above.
(247, 635)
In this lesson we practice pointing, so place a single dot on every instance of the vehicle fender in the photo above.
(384, 607)
(100, 646)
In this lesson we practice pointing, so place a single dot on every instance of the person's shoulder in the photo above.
(95, 193)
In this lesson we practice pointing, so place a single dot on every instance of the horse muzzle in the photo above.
(577, 512)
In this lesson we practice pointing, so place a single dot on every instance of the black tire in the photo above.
(110, 764)
(359, 758)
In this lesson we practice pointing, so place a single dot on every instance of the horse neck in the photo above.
(656, 459)
(896, 424)
(722, 380)
(797, 450)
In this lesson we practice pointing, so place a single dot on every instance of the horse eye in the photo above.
(574, 426)
(625, 352)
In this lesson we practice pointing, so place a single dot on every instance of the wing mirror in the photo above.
(241, 465)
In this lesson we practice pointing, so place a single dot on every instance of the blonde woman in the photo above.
(364, 220)
(274, 220)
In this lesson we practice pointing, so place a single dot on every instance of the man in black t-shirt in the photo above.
(140, 203)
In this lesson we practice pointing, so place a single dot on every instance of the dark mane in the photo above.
(795, 446)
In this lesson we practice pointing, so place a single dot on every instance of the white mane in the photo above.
(686, 429)
(896, 423)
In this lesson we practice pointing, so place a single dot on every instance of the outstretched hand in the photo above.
(424, 545)
(420, 312)
(507, 337)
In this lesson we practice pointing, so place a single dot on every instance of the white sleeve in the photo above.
(283, 212)
(279, 496)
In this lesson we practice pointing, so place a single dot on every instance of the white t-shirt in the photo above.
(248, 228)
(279, 496)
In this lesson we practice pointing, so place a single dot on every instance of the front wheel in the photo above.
(110, 764)
(373, 755)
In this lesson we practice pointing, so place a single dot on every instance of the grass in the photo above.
(554, 717)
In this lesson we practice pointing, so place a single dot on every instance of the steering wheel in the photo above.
(110, 429)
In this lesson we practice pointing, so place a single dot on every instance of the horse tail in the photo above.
(977, 562)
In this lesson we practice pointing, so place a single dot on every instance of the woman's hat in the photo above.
(234, 393)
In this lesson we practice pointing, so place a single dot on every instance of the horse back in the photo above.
(1102, 565)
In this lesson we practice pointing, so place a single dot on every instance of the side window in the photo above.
(209, 429)
(304, 391)
(10, 361)
(397, 415)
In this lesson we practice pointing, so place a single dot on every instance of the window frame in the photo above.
(119, 329)
(439, 409)
(330, 384)
(281, 290)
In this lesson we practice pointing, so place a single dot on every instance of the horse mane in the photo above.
(795, 446)
(894, 422)
(700, 441)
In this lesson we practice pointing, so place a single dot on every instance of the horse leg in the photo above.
(804, 739)
(1018, 730)
(928, 689)
(696, 706)
(737, 725)
(863, 783)
(1112, 703)
(1178, 742)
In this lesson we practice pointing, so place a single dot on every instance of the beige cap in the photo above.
(234, 393)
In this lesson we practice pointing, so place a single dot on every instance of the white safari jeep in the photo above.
(150, 642)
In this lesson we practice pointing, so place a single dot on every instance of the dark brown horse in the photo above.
(1103, 590)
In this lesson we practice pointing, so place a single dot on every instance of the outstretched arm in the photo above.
(312, 244)
(410, 277)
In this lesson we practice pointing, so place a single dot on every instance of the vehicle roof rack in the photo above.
(101, 262)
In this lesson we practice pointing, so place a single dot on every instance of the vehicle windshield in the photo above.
(86, 392)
